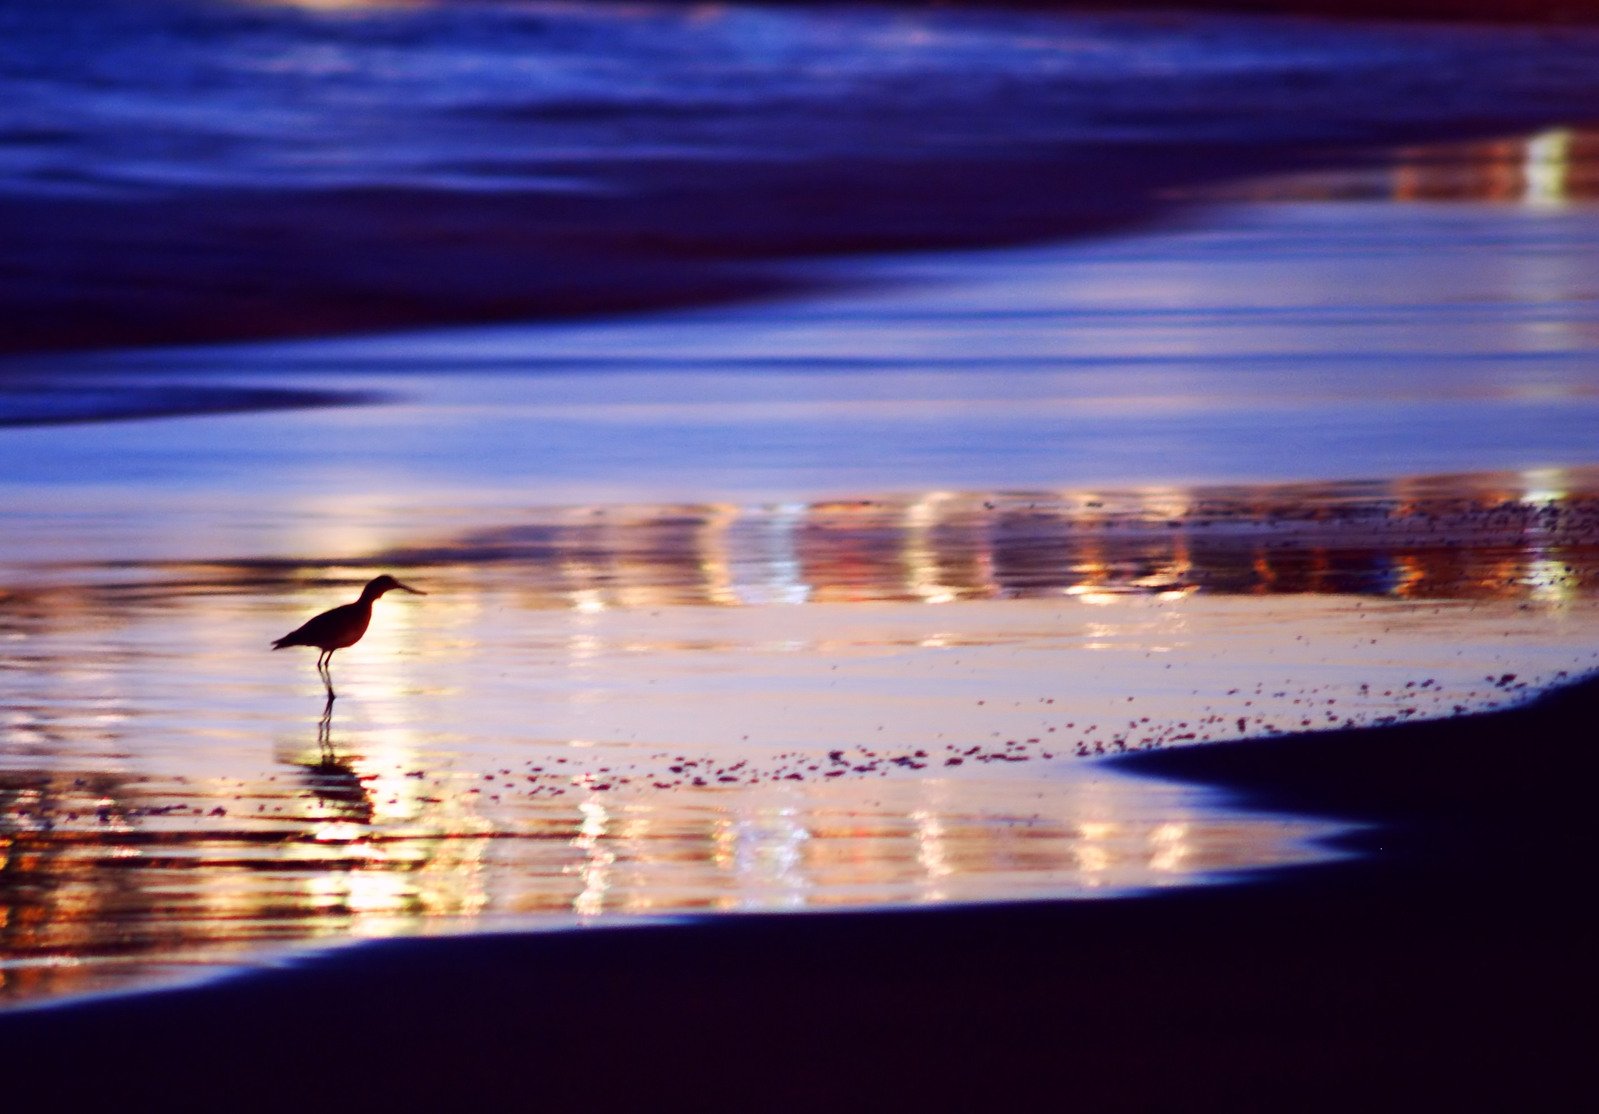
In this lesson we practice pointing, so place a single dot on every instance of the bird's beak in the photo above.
(408, 588)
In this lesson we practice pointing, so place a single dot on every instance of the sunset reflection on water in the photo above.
(604, 712)
(1551, 168)
(1491, 537)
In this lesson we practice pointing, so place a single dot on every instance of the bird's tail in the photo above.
(279, 643)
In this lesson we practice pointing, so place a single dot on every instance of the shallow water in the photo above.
(1311, 341)
(620, 712)
(702, 634)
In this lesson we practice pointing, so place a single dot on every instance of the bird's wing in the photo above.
(314, 630)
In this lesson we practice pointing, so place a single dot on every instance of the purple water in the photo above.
(175, 171)
(109, 95)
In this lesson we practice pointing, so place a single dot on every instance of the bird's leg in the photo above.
(323, 671)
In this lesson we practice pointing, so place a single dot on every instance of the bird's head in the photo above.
(387, 583)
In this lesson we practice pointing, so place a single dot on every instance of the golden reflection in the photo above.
(1093, 854)
(1411, 538)
(1544, 486)
(933, 852)
(716, 561)
(1546, 169)
(1170, 847)
(598, 858)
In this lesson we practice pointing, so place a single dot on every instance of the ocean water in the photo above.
(131, 95)
(178, 170)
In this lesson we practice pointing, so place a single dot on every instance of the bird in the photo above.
(339, 627)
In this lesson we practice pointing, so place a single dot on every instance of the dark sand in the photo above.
(1447, 966)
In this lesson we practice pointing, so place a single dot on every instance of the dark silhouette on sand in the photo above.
(340, 627)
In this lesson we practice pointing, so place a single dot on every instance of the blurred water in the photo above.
(182, 170)
(1324, 342)
(550, 97)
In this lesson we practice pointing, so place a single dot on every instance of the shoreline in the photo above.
(1395, 977)
(90, 275)
(93, 273)
(1252, 372)
(69, 402)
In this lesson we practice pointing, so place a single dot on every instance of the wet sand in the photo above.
(1442, 966)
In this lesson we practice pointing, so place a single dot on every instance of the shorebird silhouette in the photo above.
(340, 627)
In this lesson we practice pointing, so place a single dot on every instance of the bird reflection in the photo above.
(324, 733)
(332, 779)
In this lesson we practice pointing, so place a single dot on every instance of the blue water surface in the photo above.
(131, 95)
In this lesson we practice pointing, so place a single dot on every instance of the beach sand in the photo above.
(1443, 967)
